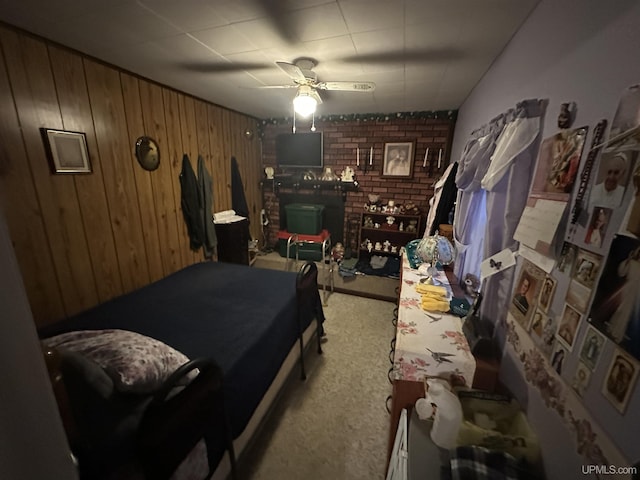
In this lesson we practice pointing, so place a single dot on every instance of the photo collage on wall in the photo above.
(592, 295)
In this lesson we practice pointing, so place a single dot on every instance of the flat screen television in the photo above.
(299, 150)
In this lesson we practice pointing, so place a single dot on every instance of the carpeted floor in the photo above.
(333, 426)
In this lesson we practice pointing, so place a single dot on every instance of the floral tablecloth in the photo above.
(428, 343)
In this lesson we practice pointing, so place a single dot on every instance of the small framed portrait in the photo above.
(398, 159)
(592, 345)
(567, 257)
(620, 378)
(568, 326)
(578, 296)
(546, 293)
(586, 268)
(581, 379)
(597, 226)
(526, 292)
(543, 331)
(67, 151)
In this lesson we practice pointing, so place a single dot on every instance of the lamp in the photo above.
(304, 104)
(435, 249)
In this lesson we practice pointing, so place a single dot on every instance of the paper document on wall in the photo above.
(539, 223)
(545, 263)
(497, 263)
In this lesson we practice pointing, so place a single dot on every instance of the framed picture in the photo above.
(586, 268)
(398, 159)
(568, 326)
(67, 151)
(591, 347)
(526, 293)
(581, 379)
(620, 379)
(546, 294)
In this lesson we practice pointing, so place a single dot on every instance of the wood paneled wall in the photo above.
(83, 239)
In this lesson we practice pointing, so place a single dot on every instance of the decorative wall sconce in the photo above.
(367, 164)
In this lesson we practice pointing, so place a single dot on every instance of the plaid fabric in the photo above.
(479, 463)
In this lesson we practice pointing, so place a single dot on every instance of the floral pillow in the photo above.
(135, 363)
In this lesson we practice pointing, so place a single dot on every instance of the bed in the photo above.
(251, 324)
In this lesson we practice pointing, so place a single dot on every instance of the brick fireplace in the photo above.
(341, 139)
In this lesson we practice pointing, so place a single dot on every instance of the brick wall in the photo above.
(343, 137)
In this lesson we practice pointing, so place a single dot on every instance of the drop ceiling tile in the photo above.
(187, 15)
(323, 21)
(367, 16)
(225, 40)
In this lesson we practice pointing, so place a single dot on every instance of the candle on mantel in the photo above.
(371, 156)
(439, 158)
(426, 154)
(358, 157)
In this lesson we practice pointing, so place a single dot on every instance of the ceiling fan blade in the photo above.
(347, 86)
(314, 93)
(292, 71)
(207, 67)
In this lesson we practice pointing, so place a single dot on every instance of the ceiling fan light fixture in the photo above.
(304, 104)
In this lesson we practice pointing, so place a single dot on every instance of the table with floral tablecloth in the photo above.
(428, 343)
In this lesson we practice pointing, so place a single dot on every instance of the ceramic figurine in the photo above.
(378, 246)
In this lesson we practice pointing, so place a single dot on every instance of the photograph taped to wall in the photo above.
(586, 268)
(526, 292)
(598, 224)
(611, 179)
(625, 127)
(581, 379)
(558, 357)
(543, 331)
(620, 379)
(567, 257)
(592, 345)
(616, 305)
(557, 164)
(546, 293)
(578, 296)
(568, 326)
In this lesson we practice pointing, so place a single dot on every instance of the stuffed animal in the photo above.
(471, 285)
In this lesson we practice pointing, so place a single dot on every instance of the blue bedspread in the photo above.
(244, 318)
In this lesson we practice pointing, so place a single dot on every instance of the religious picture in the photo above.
(592, 345)
(625, 128)
(557, 164)
(597, 226)
(567, 257)
(578, 296)
(543, 330)
(633, 213)
(586, 268)
(581, 379)
(558, 357)
(620, 379)
(526, 292)
(546, 294)
(616, 303)
(611, 178)
(568, 326)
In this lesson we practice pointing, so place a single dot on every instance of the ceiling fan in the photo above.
(306, 81)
